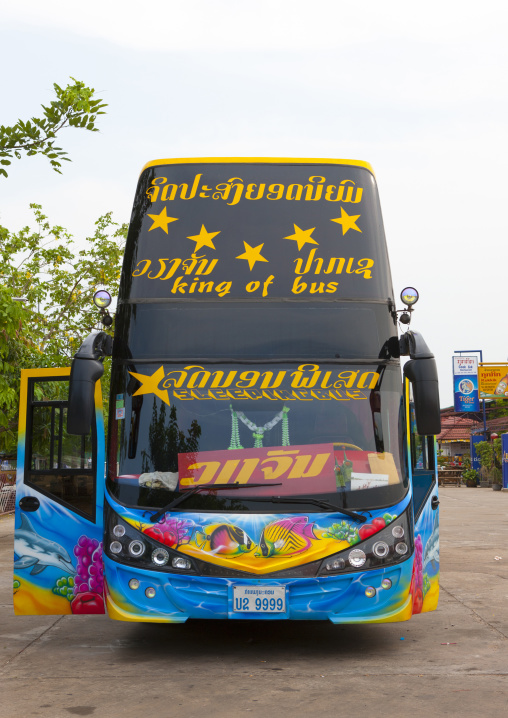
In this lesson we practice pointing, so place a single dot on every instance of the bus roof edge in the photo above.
(259, 160)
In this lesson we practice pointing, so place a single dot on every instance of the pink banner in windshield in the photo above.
(284, 469)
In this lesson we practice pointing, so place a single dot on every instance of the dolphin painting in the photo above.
(36, 551)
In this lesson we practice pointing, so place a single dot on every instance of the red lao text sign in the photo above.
(295, 469)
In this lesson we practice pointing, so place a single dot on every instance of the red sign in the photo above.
(284, 469)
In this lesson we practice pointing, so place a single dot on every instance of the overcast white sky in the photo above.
(417, 90)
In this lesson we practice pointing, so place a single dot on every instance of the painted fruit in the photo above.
(367, 530)
(418, 601)
(379, 523)
(166, 537)
(87, 602)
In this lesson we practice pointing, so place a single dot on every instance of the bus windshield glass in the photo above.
(323, 430)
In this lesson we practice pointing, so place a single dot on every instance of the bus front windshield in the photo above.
(329, 431)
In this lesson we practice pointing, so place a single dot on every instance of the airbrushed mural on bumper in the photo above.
(340, 599)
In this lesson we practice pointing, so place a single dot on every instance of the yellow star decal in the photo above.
(161, 220)
(203, 239)
(252, 254)
(302, 236)
(347, 221)
(150, 385)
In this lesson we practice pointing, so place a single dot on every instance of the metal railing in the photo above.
(7, 491)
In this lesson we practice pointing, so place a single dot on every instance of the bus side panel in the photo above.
(425, 579)
(58, 566)
(424, 587)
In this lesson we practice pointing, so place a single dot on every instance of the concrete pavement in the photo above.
(453, 662)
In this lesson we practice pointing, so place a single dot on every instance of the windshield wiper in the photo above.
(317, 502)
(197, 490)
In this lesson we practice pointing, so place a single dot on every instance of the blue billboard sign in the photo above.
(475, 459)
(465, 383)
(504, 449)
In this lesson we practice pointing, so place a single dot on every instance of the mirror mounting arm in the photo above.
(412, 344)
(96, 346)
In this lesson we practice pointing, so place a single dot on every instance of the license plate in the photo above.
(259, 599)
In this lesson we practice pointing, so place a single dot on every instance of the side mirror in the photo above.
(81, 408)
(86, 369)
(422, 373)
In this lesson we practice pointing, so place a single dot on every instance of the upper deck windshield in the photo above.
(256, 231)
(251, 341)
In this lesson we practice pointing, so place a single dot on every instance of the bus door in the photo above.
(59, 502)
(425, 579)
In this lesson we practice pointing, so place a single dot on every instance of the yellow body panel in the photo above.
(401, 614)
(431, 597)
(30, 600)
(119, 614)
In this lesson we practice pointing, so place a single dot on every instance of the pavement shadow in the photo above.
(255, 639)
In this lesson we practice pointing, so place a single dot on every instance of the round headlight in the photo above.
(160, 556)
(357, 557)
(119, 531)
(397, 531)
(401, 548)
(179, 562)
(136, 548)
(380, 549)
(115, 546)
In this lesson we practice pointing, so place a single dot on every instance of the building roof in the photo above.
(455, 427)
(499, 425)
(458, 427)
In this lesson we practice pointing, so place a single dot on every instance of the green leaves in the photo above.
(56, 281)
(485, 453)
(42, 267)
(343, 531)
(490, 455)
(74, 106)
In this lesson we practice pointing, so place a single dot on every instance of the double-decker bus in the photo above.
(266, 458)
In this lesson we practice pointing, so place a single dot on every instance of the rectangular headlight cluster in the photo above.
(124, 543)
(387, 547)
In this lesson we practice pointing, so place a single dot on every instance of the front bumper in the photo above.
(339, 599)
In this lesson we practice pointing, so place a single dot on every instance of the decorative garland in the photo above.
(257, 431)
